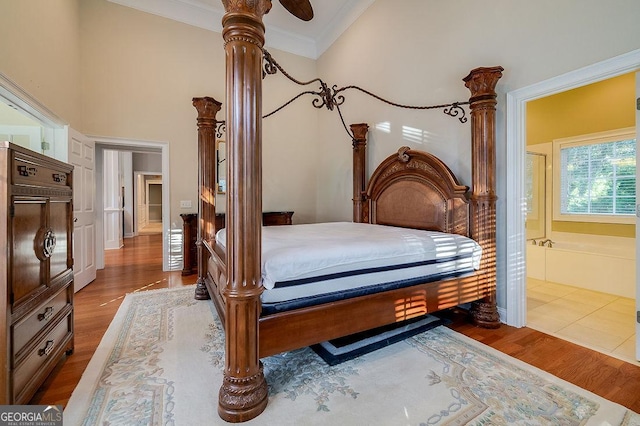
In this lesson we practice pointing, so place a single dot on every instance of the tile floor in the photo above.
(599, 321)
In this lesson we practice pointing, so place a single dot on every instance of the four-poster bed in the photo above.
(410, 189)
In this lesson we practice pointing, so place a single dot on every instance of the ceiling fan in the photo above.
(299, 8)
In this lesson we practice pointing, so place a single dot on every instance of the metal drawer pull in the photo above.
(48, 313)
(47, 348)
(59, 177)
(27, 171)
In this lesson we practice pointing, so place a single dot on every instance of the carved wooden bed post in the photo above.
(359, 167)
(482, 82)
(243, 394)
(207, 109)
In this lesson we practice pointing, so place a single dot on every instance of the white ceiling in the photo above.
(284, 31)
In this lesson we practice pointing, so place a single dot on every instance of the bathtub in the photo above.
(608, 269)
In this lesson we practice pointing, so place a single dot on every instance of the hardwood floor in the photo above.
(136, 267)
(609, 377)
(139, 267)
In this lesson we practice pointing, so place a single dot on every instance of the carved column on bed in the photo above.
(243, 394)
(482, 82)
(359, 168)
(207, 110)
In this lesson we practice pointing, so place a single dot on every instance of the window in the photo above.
(597, 177)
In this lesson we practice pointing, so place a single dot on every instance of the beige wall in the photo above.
(417, 52)
(116, 72)
(40, 45)
(135, 75)
(140, 73)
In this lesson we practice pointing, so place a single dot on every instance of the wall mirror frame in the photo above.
(221, 167)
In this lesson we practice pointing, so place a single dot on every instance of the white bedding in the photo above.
(295, 252)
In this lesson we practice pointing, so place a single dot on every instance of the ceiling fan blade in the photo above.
(299, 8)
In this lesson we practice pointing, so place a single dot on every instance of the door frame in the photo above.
(122, 144)
(148, 184)
(515, 265)
(637, 218)
(136, 189)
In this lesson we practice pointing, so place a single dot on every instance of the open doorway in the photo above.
(515, 266)
(142, 158)
(583, 231)
(148, 207)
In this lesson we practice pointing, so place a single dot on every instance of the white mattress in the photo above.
(312, 260)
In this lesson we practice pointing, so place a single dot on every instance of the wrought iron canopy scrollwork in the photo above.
(332, 98)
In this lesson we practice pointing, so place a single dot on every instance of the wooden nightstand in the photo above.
(268, 219)
(190, 234)
(276, 218)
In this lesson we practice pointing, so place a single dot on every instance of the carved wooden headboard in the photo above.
(414, 189)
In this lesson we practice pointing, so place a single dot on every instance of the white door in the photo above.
(637, 217)
(82, 156)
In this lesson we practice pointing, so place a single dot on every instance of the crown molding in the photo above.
(12, 94)
(185, 11)
(200, 14)
(348, 14)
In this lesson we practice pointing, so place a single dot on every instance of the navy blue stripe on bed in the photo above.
(351, 273)
(288, 305)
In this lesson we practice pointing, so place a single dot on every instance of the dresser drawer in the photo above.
(30, 326)
(31, 371)
(27, 172)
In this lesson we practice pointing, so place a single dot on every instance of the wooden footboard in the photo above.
(337, 319)
(341, 318)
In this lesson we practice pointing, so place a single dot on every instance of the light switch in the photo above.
(185, 204)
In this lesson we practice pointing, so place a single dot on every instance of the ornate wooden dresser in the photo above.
(36, 325)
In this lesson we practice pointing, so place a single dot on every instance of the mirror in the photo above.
(221, 167)
(536, 195)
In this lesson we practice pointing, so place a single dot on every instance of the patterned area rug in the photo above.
(161, 362)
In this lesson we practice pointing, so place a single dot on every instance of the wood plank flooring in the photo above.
(609, 377)
(138, 266)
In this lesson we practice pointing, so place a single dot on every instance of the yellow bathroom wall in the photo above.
(597, 107)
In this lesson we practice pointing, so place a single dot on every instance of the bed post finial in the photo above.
(403, 156)
(207, 110)
(359, 132)
(243, 394)
(482, 82)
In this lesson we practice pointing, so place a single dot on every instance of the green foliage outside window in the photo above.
(599, 178)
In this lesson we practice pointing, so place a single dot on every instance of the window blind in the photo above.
(599, 178)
